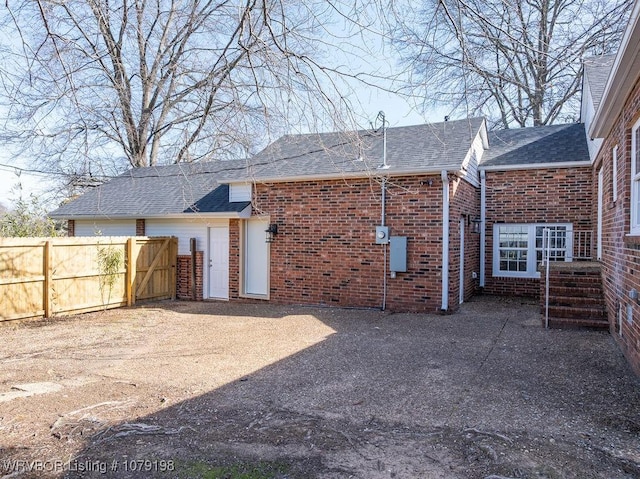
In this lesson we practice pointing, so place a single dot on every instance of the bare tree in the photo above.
(517, 62)
(92, 84)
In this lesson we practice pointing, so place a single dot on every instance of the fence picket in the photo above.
(57, 276)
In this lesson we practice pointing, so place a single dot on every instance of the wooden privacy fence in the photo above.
(55, 276)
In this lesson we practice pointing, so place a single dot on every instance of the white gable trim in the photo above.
(536, 166)
(621, 79)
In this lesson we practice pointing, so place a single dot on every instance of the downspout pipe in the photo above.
(445, 241)
(382, 223)
(483, 219)
(384, 206)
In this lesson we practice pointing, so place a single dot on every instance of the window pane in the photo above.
(556, 241)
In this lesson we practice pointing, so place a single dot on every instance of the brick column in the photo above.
(71, 227)
(183, 277)
(234, 258)
(140, 227)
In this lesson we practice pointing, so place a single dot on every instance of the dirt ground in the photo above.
(176, 389)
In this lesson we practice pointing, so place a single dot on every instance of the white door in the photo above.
(461, 260)
(599, 232)
(256, 258)
(219, 262)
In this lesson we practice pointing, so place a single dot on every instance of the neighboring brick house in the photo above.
(614, 123)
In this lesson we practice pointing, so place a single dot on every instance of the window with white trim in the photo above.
(614, 174)
(635, 179)
(518, 248)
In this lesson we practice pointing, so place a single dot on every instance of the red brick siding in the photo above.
(325, 250)
(140, 227)
(234, 258)
(71, 227)
(553, 195)
(183, 287)
(620, 253)
(465, 204)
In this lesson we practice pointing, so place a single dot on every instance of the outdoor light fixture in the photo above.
(477, 225)
(271, 231)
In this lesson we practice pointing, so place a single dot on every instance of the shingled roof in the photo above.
(158, 191)
(410, 149)
(536, 146)
(596, 74)
(203, 187)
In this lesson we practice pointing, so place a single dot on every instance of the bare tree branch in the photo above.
(516, 61)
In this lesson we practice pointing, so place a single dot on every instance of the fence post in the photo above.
(48, 284)
(173, 267)
(131, 273)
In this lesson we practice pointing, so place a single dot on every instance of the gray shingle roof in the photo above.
(537, 145)
(184, 188)
(596, 73)
(430, 147)
(161, 190)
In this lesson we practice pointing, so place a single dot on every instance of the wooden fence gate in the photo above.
(43, 277)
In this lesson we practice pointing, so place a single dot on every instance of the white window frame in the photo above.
(614, 174)
(635, 181)
(531, 250)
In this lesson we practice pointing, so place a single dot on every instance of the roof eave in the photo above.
(245, 213)
(621, 80)
(536, 166)
(373, 173)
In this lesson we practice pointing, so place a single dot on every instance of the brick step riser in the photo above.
(569, 323)
(577, 313)
(561, 291)
(570, 283)
(576, 301)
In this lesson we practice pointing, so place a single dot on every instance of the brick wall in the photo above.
(465, 205)
(184, 280)
(620, 253)
(325, 250)
(140, 227)
(552, 195)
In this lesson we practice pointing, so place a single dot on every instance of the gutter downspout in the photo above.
(445, 241)
(384, 275)
(384, 166)
(483, 219)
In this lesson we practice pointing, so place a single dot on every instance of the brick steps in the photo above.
(576, 297)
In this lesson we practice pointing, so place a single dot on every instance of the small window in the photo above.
(635, 179)
(518, 248)
(614, 174)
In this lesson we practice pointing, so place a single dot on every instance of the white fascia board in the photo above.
(373, 173)
(536, 166)
(246, 213)
(621, 79)
(484, 133)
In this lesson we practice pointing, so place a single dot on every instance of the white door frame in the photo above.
(600, 205)
(461, 260)
(218, 264)
(256, 262)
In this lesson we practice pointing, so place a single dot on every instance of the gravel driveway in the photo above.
(180, 389)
